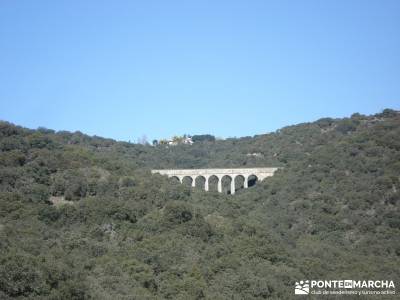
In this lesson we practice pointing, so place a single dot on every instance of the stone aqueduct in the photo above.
(259, 173)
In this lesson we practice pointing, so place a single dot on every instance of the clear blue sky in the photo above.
(122, 69)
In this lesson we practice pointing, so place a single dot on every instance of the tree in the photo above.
(143, 140)
(203, 138)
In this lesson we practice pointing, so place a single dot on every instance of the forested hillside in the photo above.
(82, 217)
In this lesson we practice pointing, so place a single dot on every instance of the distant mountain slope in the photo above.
(82, 217)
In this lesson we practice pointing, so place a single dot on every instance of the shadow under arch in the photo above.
(226, 184)
(175, 179)
(213, 183)
(239, 182)
(200, 182)
(252, 180)
(187, 180)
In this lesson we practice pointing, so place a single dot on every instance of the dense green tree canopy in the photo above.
(83, 218)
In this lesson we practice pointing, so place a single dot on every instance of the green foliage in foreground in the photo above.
(82, 217)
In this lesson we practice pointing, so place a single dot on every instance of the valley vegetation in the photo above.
(82, 217)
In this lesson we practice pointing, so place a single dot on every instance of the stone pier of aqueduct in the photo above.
(193, 174)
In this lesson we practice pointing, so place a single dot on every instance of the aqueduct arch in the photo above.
(246, 174)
